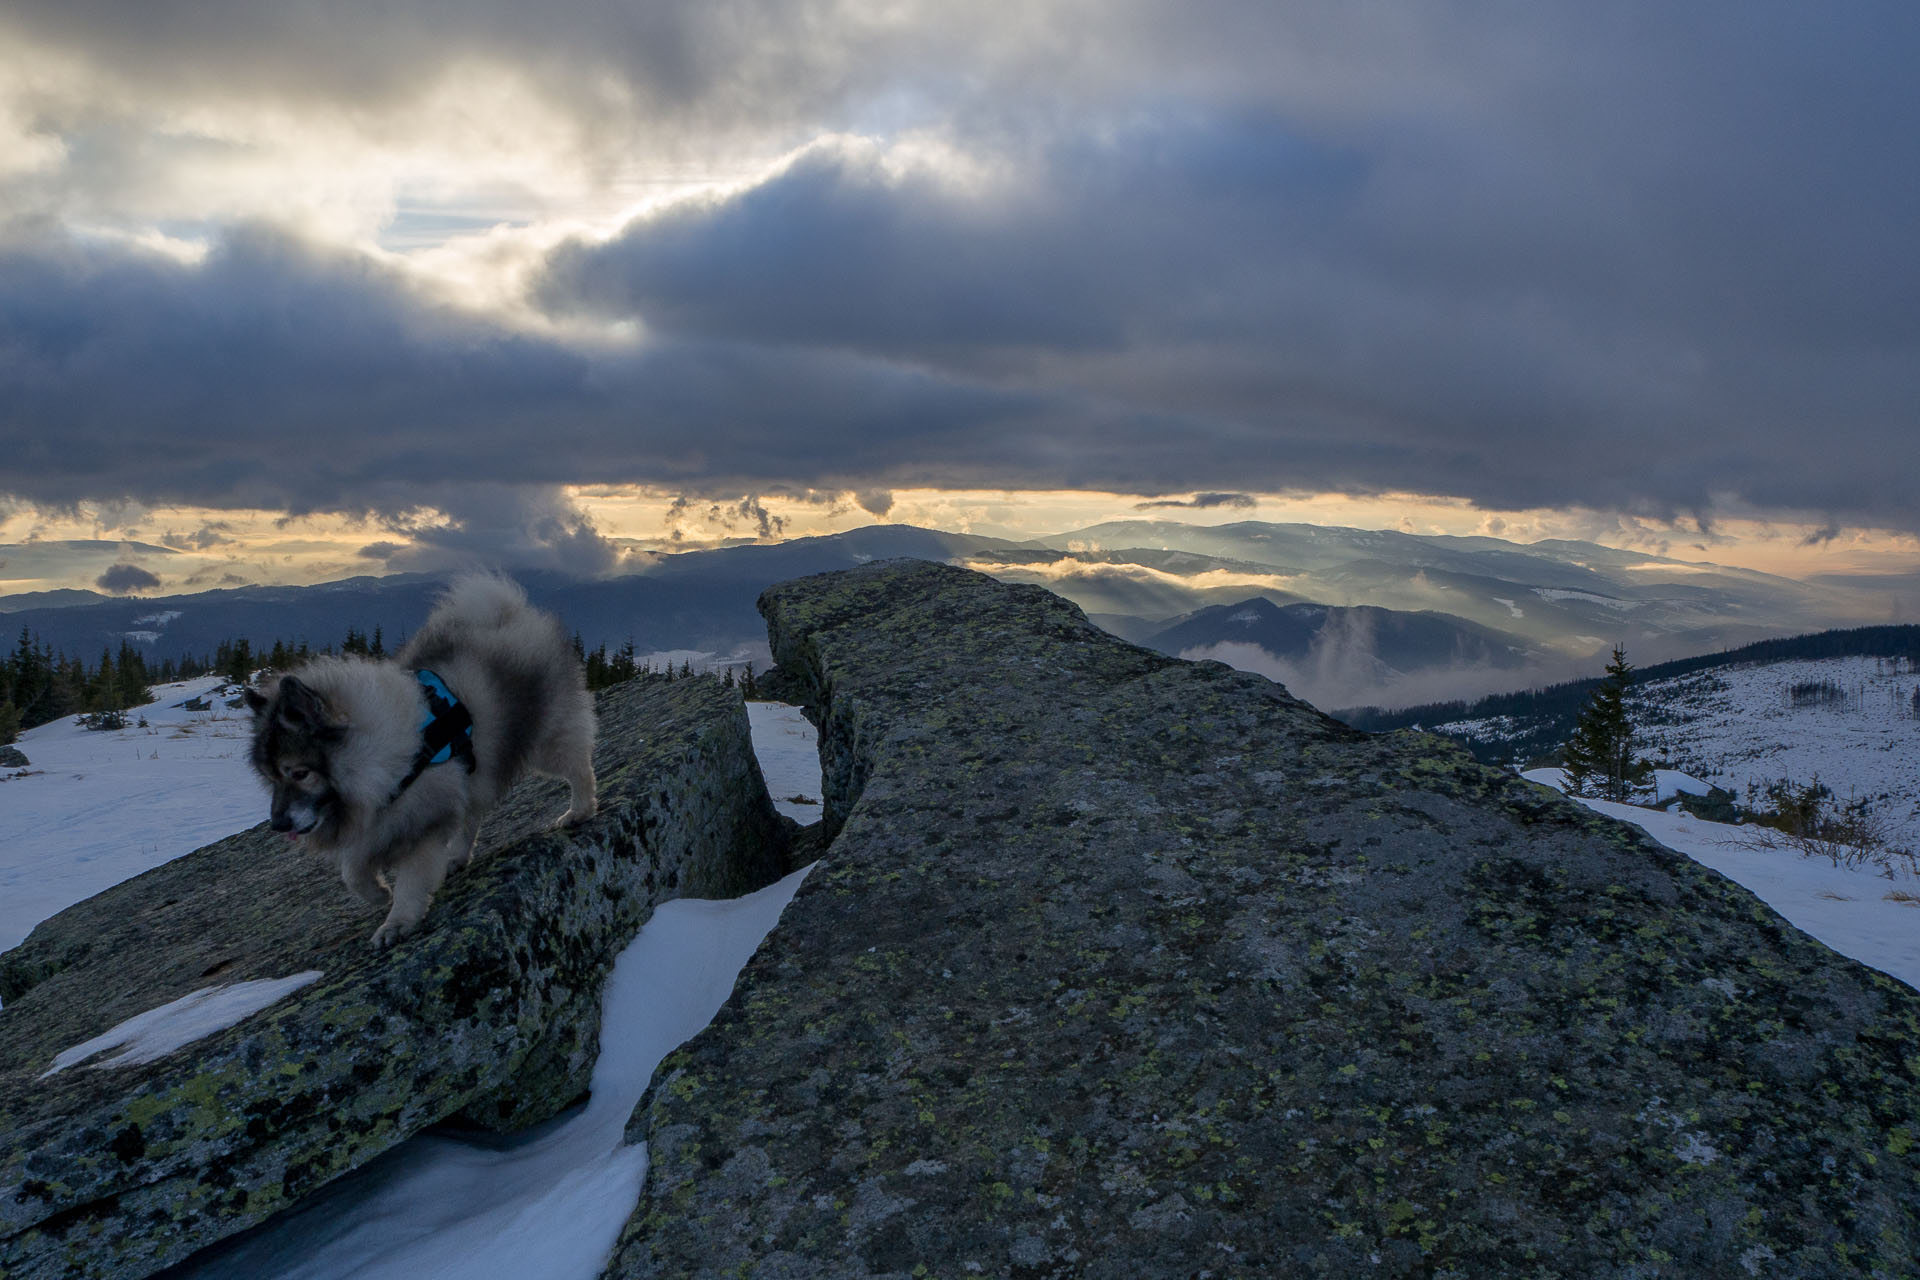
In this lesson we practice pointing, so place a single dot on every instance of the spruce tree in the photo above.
(1598, 759)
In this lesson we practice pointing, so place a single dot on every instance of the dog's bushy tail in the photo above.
(482, 601)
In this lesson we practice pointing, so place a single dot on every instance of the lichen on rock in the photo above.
(491, 1013)
(1121, 966)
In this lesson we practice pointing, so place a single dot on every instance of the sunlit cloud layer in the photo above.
(601, 529)
(1632, 272)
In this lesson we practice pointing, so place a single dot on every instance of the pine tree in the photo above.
(1598, 759)
(239, 664)
(103, 690)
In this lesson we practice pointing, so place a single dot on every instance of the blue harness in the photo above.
(446, 733)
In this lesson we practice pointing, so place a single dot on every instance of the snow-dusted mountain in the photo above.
(1570, 599)
(1566, 597)
(698, 602)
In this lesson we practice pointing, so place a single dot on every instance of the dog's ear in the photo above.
(257, 701)
(303, 710)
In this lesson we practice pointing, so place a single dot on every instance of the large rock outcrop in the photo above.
(1121, 966)
(492, 1012)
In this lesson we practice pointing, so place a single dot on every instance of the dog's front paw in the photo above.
(574, 817)
(391, 932)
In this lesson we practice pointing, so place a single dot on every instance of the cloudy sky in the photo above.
(372, 285)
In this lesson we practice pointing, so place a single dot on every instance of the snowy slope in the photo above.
(1739, 725)
(1854, 725)
(96, 808)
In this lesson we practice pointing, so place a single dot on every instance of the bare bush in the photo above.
(1808, 817)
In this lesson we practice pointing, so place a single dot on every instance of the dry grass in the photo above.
(1901, 895)
(1836, 897)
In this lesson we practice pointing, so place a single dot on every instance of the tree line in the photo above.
(604, 669)
(39, 685)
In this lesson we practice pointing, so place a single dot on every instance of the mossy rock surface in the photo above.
(1122, 966)
(490, 1014)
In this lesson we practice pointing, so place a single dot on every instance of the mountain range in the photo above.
(1343, 616)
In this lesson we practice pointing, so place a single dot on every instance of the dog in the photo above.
(391, 766)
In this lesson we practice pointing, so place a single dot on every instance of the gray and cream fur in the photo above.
(336, 739)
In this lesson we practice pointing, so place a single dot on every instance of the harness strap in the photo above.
(446, 733)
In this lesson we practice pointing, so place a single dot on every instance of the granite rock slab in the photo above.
(1120, 966)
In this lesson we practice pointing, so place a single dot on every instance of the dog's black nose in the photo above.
(281, 822)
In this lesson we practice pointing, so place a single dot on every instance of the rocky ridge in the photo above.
(490, 1014)
(1120, 966)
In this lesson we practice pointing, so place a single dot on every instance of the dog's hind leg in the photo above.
(569, 757)
(583, 803)
(416, 878)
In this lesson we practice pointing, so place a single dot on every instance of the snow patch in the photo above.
(788, 748)
(156, 1033)
(1557, 593)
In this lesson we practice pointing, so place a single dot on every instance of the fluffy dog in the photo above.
(390, 767)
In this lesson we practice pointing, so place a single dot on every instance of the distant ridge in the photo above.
(1562, 702)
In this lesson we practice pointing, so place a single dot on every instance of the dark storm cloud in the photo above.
(274, 375)
(1199, 501)
(213, 534)
(1224, 298)
(1632, 256)
(125, 579)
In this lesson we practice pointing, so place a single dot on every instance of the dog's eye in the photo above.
(299, 774)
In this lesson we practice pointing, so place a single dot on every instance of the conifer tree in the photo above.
(1598, 759)
(238, 667)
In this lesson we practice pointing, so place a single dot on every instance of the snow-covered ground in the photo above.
(94, 808)
(1738, 725)
(1854, 724)
(787, 746)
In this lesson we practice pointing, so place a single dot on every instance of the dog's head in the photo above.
(295, 736)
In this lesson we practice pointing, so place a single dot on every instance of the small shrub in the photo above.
(100, 721)
(1813, 821)
(1716, 806)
